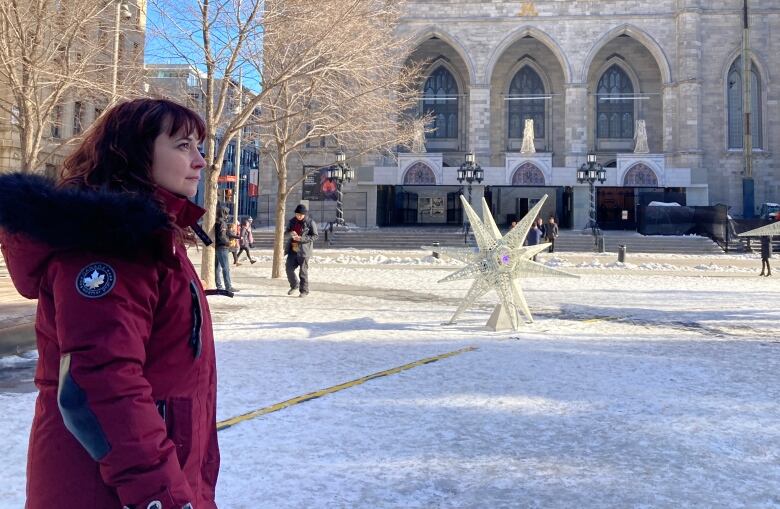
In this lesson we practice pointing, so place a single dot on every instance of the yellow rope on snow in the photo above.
(330, 390)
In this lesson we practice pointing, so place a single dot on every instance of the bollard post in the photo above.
(435, 250)
(622, 253)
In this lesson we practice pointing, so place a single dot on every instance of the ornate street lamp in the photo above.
(470, 172)
(590, 172)
(340, 172)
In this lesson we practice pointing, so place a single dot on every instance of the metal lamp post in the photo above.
(470, 172)
(340, 172)
(122, 12)
(590, 172)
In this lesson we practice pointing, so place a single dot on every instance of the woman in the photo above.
(247, 239)
(125, 414)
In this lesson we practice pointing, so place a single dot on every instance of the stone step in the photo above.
(393, 239)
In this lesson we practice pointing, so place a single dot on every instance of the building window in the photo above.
(528, 174)
(614, 116)
(419, 174)
(734, 95)
(56, 121)
(78, 117)
(440, 100)
(640, 175)
(526, 83)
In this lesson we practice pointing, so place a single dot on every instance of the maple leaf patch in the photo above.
(96, 280)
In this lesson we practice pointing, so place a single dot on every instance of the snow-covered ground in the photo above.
(630, 389)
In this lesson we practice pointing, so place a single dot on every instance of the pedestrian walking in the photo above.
(551, 233)
(300, 234)
(126, 376)
(535, 234)
(222, 238)
(766, 254)
(246, 239)
(233, 242)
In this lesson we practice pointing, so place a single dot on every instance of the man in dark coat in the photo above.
(551, 233)
(222, 236)
(300, 234)
(766, 254)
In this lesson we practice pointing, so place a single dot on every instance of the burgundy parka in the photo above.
(125, 414)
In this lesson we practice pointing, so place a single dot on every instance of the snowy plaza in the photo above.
(648, 384)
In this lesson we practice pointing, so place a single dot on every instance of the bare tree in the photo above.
(215, 36)
(318, 63)
(53, 51)
(358, 92)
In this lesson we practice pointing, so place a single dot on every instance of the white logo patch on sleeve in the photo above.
(95, 280)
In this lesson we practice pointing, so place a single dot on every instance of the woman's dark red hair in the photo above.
(117, 151)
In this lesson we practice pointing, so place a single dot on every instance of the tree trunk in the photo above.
(281, 199)
(210, 204)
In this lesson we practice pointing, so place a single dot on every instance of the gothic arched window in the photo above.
(640, 175)
(440, 100)
(527, 174)
(734, 95)
(526, 83)
(420, 174)
(614, 116)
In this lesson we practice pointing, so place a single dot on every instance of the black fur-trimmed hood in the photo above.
(101, 222)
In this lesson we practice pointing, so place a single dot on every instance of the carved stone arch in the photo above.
(429, 32)
(546, 84)
(760, 67)
(633, 76)
(625, 67)
(537, 34)
(640, 175)
(419, 173)
(755, 59)
(443, 62)
(533, 64)
(528, 174)
(640, 36)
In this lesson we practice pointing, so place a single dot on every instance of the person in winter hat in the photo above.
(300, 234)
(222, 238)
(126, 374)
(247, 239)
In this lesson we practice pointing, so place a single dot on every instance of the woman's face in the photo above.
(177, 163)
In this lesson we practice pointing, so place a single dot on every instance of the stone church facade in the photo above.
(585, 71)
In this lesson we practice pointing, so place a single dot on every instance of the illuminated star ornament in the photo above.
(497, 265)
(764, 231)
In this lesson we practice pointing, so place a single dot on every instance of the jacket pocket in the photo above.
(177, 414)
(197, 321)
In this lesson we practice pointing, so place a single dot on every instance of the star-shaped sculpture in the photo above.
(767, 230)
(499, 262)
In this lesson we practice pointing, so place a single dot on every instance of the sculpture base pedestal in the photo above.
(499, 320)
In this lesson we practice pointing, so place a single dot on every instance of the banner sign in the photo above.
(316, 186)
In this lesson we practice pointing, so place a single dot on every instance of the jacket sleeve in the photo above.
(104, 398)
(312, 235)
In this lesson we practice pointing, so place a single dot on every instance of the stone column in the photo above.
(576, 122)
(689, 90)
(478, 139)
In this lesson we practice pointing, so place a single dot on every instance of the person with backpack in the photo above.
(222, 238)
(246, 239)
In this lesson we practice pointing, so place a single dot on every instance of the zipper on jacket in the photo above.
(197, 320)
